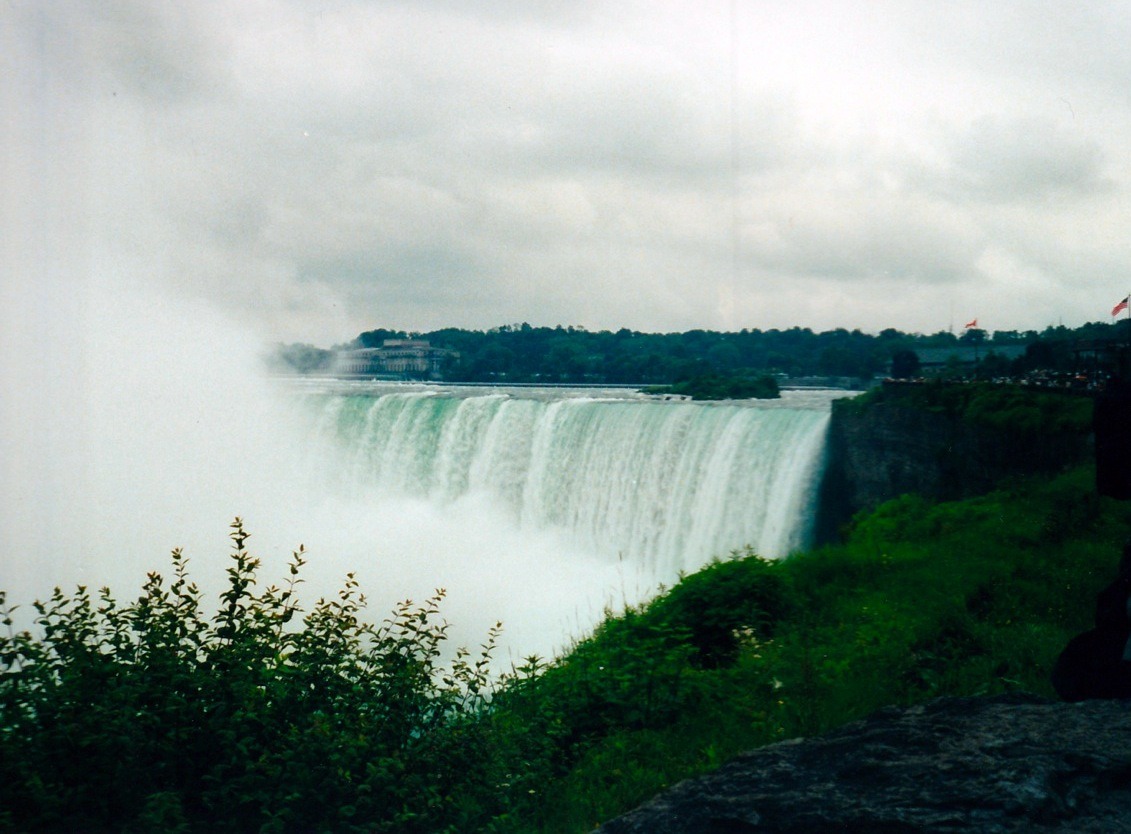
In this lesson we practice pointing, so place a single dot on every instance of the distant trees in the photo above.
(722, 387)
(376, 338)
(541, 354)
(523, 353)
(904, 364)
(973, 336)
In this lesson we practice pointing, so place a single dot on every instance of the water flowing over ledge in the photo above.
(662, 485)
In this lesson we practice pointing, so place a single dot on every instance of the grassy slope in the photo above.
(967, 597)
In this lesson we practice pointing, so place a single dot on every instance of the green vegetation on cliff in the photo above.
(722, 387)
(1011, 407)
(155, 716)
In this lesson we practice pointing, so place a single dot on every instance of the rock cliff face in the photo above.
(990, 765)
(890, 448)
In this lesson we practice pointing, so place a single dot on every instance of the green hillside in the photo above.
(970, 597)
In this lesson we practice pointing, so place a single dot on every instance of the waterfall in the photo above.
(663, 485)
(536, 507)
(540, 508)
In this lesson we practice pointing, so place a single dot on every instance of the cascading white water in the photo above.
(661, 485)
(539, 508)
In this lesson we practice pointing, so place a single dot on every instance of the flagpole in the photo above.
(1127, 350)
(1127, 309)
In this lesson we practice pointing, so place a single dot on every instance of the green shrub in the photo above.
(153, 717)
(723, 603)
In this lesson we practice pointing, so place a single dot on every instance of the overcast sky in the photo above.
(316, 169)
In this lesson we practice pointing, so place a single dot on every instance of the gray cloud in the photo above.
(158, 51)
(879, 239)
(1027, 160)
(658, 167)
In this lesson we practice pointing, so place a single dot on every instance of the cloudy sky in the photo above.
(315, 169)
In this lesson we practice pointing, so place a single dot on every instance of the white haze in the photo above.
(327, 168)
(153, 428)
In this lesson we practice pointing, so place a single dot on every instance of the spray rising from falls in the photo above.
(146, 426)
(538, 508)
(663, 486)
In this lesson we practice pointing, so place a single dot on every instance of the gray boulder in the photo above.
(1012, 763)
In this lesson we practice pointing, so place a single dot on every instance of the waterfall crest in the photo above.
(664, 485)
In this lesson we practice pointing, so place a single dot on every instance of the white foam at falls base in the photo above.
(541, 587)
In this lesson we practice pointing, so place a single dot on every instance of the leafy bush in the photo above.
(152, 717)
(627, 709)
(722, 603)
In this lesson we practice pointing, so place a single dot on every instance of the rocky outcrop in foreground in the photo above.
(1009, 763)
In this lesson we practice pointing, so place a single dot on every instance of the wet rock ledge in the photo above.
(1012, 763)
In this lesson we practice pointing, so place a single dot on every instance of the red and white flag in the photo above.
(1121, 306)
(970, 324)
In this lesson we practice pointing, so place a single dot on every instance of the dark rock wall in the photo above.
(1112, 428)
(889, 448)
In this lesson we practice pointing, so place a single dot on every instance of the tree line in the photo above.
(524, 353)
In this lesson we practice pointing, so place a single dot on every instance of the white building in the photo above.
(396, 358)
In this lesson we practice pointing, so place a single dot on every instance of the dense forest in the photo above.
(523, 353)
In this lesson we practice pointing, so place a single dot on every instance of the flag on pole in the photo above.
(974, 323)
(1121, 306)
